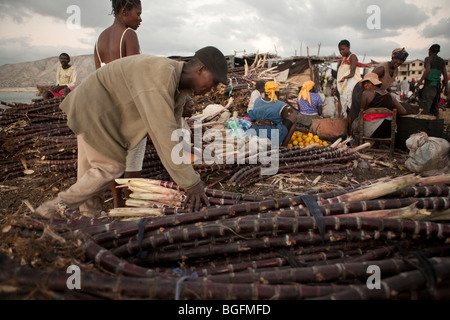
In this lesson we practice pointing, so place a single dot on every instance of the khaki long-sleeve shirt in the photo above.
(118, 105)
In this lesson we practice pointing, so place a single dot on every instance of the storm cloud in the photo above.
(178, 27)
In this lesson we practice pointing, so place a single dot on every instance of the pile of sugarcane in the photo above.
(310, 245)
(336, 158)
(379, 240)
(36, 140)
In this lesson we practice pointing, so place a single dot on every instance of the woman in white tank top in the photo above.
(118, 41)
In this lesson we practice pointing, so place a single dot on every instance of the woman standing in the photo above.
(348, 76)
(118, 41)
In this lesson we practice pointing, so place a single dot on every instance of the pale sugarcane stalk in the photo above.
(361, 147)
(401, 213)
(148, 204)
(266, 71)
(336, 143)
(150, 182)
(439, 215)
(419, 214)
(443, 179)
(167, 199)
(134, 212)
(151, 189)
(155, 197)
(149, 185)
(381, 189)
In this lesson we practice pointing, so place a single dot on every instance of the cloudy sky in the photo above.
(32, 30)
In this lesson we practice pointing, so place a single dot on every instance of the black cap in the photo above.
(215, 61)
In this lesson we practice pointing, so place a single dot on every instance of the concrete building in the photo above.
(415, 69)
(411, 69)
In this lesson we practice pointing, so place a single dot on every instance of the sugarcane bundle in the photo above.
(259, 248)
(147, 197)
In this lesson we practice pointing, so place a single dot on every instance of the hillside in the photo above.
(42, 72)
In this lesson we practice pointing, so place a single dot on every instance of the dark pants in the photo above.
(429, 99)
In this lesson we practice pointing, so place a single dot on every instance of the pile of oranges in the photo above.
(303, 140)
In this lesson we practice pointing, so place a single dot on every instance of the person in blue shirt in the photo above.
(270, 113)
(310, 105)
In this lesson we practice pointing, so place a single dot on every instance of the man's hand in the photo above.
(194, 197)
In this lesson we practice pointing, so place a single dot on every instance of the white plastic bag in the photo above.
(428, 156)
(330, 108)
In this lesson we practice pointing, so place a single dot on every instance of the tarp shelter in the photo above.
(294, 72)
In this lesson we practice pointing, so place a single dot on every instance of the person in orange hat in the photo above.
(378, 125)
